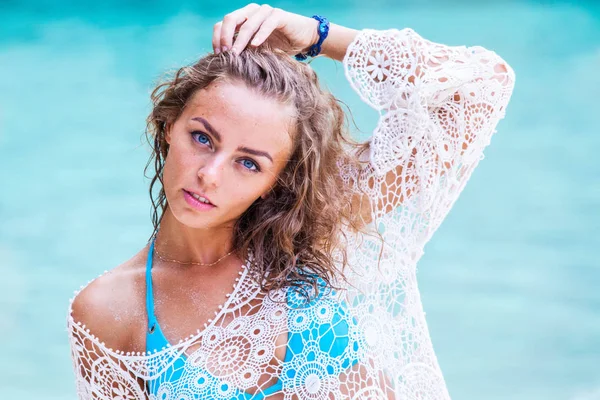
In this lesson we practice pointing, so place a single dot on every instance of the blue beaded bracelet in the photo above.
(316, 48)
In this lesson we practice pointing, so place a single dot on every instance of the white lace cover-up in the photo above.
(438, 108)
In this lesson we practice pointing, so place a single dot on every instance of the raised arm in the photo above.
(439, 106)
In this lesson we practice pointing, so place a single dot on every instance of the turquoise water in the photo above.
(509, 282)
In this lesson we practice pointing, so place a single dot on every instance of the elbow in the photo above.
(503, 72)
(504, 75)
(494, 66)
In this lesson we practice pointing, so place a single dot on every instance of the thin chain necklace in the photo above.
(190, 262)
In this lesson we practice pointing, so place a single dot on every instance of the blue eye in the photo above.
(201, 137)
(249, 164)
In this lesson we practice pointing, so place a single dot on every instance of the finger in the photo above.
(228, 27)
(231, 22)
(216, 38)
(266, 29)
(250, 27)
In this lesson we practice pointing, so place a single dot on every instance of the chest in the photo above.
(240, 342)
(185, 302)
(239, 351)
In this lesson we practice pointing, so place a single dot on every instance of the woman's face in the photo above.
(229, 145)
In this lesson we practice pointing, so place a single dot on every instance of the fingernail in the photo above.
(217, 50)
(224, 48)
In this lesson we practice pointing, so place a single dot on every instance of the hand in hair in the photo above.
(257, 24)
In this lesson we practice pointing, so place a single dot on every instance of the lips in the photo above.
(200, 197)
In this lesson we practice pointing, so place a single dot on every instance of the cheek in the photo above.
(175, 165)
(242, 194)
(169, 168)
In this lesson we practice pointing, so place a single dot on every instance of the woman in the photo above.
(283, 259)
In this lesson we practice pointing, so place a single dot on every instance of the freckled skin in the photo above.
(186, 296)
(243, 117)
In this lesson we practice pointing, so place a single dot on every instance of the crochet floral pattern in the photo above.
(438, 107)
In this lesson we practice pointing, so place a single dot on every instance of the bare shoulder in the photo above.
(112, 306)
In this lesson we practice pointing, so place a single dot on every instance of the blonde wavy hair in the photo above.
(295, 233)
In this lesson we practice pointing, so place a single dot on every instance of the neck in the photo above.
(182, 243)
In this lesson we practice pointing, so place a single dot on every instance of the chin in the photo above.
(193, 219)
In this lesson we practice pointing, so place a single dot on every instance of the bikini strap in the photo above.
(149, 295)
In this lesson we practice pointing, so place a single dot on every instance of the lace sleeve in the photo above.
(438, 108)
(81, 360)
(439, 105)
(102, 373)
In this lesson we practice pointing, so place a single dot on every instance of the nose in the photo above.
(211, 170)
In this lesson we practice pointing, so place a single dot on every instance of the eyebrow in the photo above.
(217, 136)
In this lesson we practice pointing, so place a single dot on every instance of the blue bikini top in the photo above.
(332, 338)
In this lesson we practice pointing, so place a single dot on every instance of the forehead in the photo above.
(242, 114)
